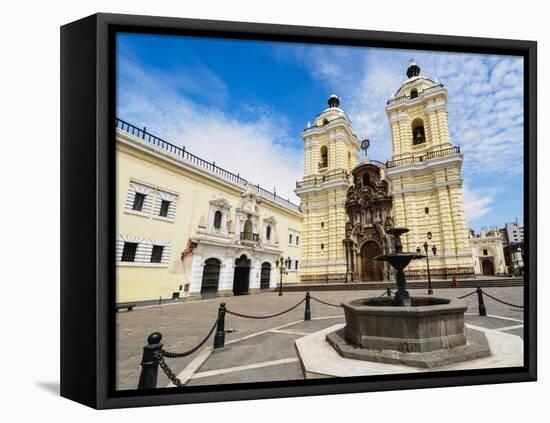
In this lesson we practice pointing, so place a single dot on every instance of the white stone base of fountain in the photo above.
(319, 359)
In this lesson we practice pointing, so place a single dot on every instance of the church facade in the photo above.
(419, 188)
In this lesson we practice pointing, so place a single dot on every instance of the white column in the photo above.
(226, 275)
(195, 279)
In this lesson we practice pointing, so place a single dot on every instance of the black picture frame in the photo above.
(88, 221)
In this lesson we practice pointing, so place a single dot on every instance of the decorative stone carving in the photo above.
(369, 208)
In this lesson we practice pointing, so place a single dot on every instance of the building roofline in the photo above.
(180, 154)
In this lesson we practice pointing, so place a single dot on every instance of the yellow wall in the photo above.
(139, 162)
(323, 196)
(435, 183)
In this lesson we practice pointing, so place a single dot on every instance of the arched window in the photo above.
(419, 136)
(366, 180)
(414, 93)
(218, 219)
(268, 233)
(325, 121)
(324, 157)
(248, 226)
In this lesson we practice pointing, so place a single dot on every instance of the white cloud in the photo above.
(476, 204)
(485, 95)
(252, 141)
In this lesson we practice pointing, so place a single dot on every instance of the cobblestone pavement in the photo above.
(269, 355)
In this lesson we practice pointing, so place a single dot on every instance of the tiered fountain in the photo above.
(419, 331)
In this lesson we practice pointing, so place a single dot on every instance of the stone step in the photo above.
(437, 284)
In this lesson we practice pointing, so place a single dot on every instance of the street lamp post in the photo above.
(280, 263)
(434, 251)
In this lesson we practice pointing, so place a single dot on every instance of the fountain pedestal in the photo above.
(414, 331)
(430, 324)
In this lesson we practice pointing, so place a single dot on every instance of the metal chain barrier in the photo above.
(249, 316)
(502, 302)
(167, 370)
(324, 302)
(192, 350)
(467, 295)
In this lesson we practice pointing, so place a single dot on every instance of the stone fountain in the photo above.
(422, 331)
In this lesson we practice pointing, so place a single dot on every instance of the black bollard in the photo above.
(388, 291)
(149, 365)
(307, 313)
(482, 309)
(219, 338)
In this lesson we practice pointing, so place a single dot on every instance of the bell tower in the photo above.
(331, 150)
(425, 177)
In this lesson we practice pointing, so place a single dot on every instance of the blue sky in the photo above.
(243, 104)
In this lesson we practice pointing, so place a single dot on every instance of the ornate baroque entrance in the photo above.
(368, 208)
(371, 270)
(241, 277)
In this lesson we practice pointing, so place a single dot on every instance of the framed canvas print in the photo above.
(257, 211)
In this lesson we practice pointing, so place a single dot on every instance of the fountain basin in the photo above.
(428, 333)
(429, 324)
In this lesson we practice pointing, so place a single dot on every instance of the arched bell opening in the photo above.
(419, 136)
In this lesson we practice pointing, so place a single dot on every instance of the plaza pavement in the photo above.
(263, 349)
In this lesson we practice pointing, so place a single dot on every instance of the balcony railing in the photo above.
(377, 163)
(408, 97)
(418, 159)
(318, 180)
(249, 236)
(211, 166)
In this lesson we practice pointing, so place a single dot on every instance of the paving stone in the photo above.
(288, 371)
(517, 332)
(267, 347)
(183, 325)
(489, 322)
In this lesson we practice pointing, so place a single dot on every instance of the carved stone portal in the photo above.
(369, 209)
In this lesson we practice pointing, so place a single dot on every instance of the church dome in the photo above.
(413, 70)
(333, 101)
(414, 84)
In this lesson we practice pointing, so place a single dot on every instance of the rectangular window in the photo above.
(297, 240)
(290, 238)
(129, 251)
(156, 255)
(485, 253)
(138, 201)
(164, 206)
(295, 264)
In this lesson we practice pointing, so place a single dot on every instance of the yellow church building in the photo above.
(425, 177)
(186, 227)
(331, 151)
